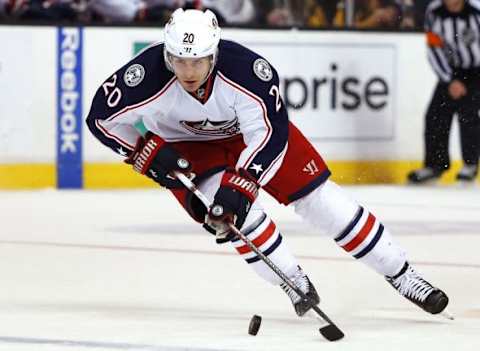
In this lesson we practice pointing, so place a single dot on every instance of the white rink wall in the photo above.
(27, 94)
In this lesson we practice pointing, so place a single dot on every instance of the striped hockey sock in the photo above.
(265, 235)
(366, 239)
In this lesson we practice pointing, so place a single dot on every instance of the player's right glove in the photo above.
(231, 204)
(157, 160)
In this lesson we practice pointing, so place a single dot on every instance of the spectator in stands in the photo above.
(413, 13)
(420, 8)
(126, 11)
(115, 11)
(287, 13)
(382, 14)
(274, 13)
(233, 12)
(46, 10)
(325, 13)
(408, 14)
(158, 10)
(3, 8)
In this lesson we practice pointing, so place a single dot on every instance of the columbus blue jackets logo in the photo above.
(213, 128)
(134, 75)
(262, 70)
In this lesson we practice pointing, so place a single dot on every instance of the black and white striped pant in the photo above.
(438, 124)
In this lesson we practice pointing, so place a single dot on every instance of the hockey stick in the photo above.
(330, 332)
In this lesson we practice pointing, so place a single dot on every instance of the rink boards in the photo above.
(360, 97)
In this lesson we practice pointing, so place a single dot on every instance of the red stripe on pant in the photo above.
(260, 240)
(362, 234)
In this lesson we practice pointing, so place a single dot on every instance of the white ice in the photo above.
(128, 270)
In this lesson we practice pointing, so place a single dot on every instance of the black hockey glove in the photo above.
(231, 204)
(157, 160)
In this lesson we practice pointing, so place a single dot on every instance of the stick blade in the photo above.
(331, 332)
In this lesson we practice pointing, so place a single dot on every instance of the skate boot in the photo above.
(301, 280)
(424, 175)
(416, 289)
(468, 173)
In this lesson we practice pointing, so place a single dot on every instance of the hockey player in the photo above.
(212, 109)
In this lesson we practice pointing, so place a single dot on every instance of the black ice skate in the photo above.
(301, 280)
(416, 289)
(468, 173)
(424, 175)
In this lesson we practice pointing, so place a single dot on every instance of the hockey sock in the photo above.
(352, 227)
(367, 240)
(265, 235)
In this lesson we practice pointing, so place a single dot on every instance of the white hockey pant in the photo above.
(355, 229)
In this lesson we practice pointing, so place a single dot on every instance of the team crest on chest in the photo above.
(213, 128)
(134, 75)
(263, 70)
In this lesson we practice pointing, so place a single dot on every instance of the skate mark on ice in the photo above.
(98, 344)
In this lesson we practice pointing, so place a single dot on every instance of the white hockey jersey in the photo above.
(244, 100)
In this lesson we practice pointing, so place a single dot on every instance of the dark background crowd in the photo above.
(357, 14)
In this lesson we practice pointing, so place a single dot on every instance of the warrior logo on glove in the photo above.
(231, 204)
(145, 155)
(158, 160)
(247, 187)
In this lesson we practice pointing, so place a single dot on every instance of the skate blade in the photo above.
(445, 313)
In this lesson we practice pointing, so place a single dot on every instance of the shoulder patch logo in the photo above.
(134, 75)
(263, 70)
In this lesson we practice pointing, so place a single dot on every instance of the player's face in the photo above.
(191, 72)
(454, 5)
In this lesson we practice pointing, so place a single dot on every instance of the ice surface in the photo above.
(128, 270)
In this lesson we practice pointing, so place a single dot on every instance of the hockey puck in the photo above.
(254, 325)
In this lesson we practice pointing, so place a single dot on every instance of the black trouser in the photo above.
(439, 121)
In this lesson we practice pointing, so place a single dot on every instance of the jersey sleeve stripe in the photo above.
(265, 117)
(112, 136)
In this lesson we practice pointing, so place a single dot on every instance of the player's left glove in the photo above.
(158, 160)
(231, 204)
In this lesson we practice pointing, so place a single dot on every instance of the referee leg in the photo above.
(438, 122)
(469, 121)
